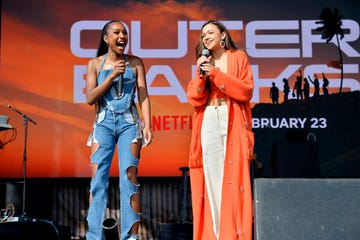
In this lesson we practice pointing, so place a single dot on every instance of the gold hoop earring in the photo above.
(222, 44)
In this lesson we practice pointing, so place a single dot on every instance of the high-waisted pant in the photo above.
(111, 129)
(213, 140)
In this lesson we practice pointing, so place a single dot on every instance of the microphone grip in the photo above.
(202, 72)
(120, 85)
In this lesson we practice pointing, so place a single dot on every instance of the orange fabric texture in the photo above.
(236, 208)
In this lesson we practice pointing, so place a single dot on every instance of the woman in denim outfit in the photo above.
(117, 123)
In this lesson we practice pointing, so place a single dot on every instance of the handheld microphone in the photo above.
(120, 85)
(205, 53)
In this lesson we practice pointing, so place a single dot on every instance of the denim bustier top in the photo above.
(111, 99)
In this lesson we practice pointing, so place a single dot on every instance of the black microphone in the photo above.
(205, 53)
(120, 85)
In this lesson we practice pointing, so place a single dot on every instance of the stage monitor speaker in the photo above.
(176, 231)
(307, 209)
(29, 230)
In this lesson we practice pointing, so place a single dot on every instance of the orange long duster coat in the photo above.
(236, 206)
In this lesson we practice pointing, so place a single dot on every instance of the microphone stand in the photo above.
(26, 120)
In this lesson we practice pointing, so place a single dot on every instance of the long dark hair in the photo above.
(229, 43)
(103, 47)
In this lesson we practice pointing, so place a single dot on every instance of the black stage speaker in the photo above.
(307, 209)
(29, 230)
(176, 231)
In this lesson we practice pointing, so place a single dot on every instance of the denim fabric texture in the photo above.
(117, 124)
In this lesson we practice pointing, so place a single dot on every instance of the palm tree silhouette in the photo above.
(331, 26)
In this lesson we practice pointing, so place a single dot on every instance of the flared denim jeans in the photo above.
(111, 129)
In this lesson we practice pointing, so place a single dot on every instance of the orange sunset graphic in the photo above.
(37, 78)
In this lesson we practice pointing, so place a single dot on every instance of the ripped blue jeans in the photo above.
(111, 129)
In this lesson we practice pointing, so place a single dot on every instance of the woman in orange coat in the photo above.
(222, 139)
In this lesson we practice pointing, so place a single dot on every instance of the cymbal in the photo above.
(4, 123)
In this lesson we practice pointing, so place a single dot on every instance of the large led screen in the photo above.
(45, 47)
